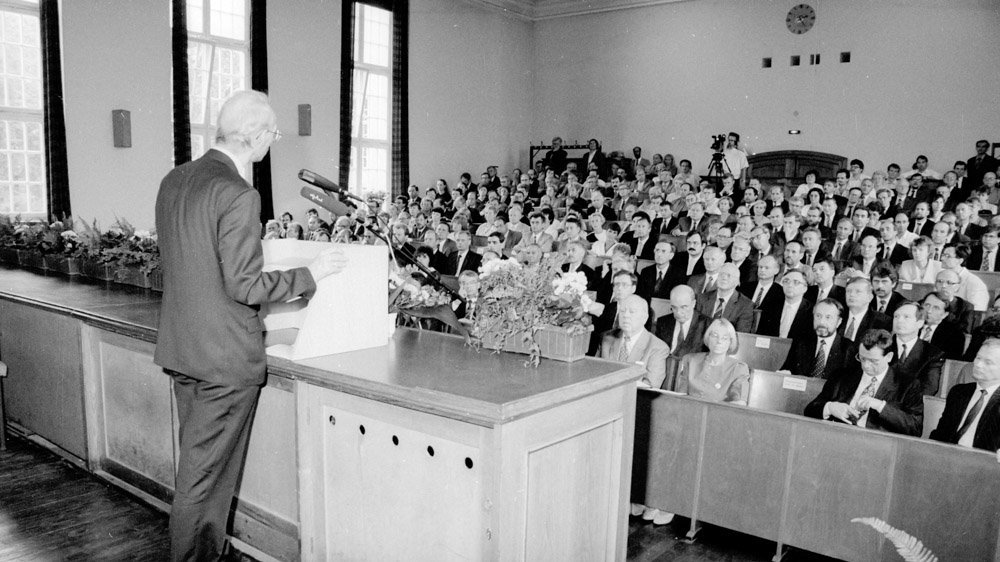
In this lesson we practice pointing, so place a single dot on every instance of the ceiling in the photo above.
(549, 9)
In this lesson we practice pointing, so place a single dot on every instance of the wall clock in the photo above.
(800, 19)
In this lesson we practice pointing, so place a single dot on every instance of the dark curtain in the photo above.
(258, 81)
(400, 90)
(181, 101)
(54, 120)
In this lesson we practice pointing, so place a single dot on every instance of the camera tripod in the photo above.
(715, 170)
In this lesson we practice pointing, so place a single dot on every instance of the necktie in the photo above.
(972, 413)
(836, 250)
(928, 332)
(709, 285)
(719, 307)
(623, 350)
(902, 353)
(849, 332)
(881, 306)
(819, 362)
(757, 300)
(659, 278)
(869, 391)
(683, 334)
(937, 253)
(809, 259)
(987, 260)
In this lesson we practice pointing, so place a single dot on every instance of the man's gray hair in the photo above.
(243, 116)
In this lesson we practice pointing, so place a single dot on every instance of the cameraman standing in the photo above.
(736, 159)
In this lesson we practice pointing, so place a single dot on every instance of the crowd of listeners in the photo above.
(822, 261)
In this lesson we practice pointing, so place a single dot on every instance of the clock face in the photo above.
(800, 19)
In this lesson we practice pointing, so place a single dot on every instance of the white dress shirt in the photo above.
(787, 317)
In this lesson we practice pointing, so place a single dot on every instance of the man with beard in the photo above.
(823, 351)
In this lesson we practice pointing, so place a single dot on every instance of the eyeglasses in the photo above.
(868, 360)
(277, 134)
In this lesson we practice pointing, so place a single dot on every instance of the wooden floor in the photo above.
(51, 510)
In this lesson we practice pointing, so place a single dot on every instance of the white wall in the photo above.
(121, 66)
(922, 78)
(470, 90)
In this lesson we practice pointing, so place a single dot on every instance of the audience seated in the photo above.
(884, 281)
(871, 393)
(940, 332)
(859, 317)
(970, 288)
(913, 357)
(683, 329)
(689, 262)
(632, 343)
(959, 310)
(716, 374)
(659, 279)
(971, 416)
(794, 316)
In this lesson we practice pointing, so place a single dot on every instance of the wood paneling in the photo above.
(675, 428)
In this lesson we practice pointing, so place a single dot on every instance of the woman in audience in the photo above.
(595, 157)
(937, 208)
(716, 374)
(668, 164)
(812, 182)
(424, 255)
(815, 196)
(920, 269)
(725, 205)
(613, 233)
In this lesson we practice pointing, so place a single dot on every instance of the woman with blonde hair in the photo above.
(716, 374)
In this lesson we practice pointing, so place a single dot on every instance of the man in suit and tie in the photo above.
(632, 343)
(683, 330)
(712, 259)
(766, 294)
(210, 340)
(463, 259)
(977, 166)
(812, 246)
(831, 217)
(966, 223)
(824, 271)
(884, 281)
(959, 310)
(739, 255)
(794, 316)
(726, 302)
(860, 318)
(913, 357)
(920, 224)
(892, 250)
(657, 280)
(842, 247)
(822, 351)
(938, 331)
(870, 393)
(689, 262)
(984, 255)
(971, 416)
(639, 239)
(537, 235)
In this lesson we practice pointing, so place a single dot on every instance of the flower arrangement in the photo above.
(517, 301)
(411, 293)
(123, 246)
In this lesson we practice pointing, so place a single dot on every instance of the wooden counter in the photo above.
(464, 454)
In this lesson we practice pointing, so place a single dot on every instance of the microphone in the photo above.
(326, 185)
(323, 200)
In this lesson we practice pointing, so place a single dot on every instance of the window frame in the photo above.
(358, 142)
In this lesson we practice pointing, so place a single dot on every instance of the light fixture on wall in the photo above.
(121, 128)
(305, 119)
(794, 132)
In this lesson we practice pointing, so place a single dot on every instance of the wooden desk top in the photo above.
(426, 371)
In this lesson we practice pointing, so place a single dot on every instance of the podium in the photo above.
(348, 311)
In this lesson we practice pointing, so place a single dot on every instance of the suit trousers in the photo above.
(215, 423)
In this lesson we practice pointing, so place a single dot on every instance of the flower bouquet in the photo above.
(412, 294)
(536, 310)
(133, 254)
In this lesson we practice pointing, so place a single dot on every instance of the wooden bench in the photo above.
(914, 291)
(782, 392)
(990, 278)
(933, 408)
(950, 373)
(763, 352)
(642, 264)
(661, 307)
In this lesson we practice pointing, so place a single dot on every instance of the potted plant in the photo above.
(36, 239)
(413, 296)
(536, 310)
(9, 240)
(59, 247)
(133, 256)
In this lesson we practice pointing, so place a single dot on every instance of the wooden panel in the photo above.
(675, 428)
(937, 481)
(837, 473)
(991, 278)
(136, 412)
(782, 393)
(568, 499)
(661, 307)
(950, 373)
(744, 466)
(763, 352)
(643, 264)
(915, 291)
(933, 408)
(44, 386)
(267, 481)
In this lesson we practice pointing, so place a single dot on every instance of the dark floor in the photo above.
(51, 510)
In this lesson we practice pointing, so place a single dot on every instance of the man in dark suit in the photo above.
(639, 239)
(971, 416)
(683, 329)
(859, 318)
(794, 316)
(666, 222)
(822, 352)
(884, 282)
(842, 247)
(689, 262)
(463, 259)
(920, 224)
(940, 332)
(987, 250)
(913, 357)
(210, 340)
(657, 280)
(872, 395)
(766, 294)
(891, 251)
(739, 255)
(959, 310)
(824, 272)
(726, 302)
(977, 166)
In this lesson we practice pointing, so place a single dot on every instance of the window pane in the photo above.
(228, 19)
(374, 163)
(228, 76)
(22, 137)
(22, 168)
(20, 62)
(377, 36)
(197, 145)
(195, 16)
(199, 57)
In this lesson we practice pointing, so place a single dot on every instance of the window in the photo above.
(218, 62)
(371, 123)
(22, 133)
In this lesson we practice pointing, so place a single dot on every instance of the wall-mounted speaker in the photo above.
(121, 125)
(305, 120)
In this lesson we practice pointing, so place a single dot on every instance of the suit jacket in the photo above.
(987, 432)
(960, 312)
(802, 356)
(592, 278)
(895, 300)
(545, 241)
(748, 271)
(770, 320)
(846, 250)
(208, 225)
(949, 338)
(975, 261)
(973, 231)
(738, 310)
(900, 253)
(695, 337)
(974, 171)
(647, 287)
(644, 253)
(680, 263)
(872, 320)
(774, 298)
(836, 292)
(648, 349)
(471, 263)
(904, 409)
(925, 229)
(684, 225)
(665, 227)
(923, 363)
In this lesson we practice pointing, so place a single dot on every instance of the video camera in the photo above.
(718, 142)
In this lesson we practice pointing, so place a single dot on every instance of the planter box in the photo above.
(32, 259)
(131, 275)
(9, 256)
(156, 280)
(62, 264)
(95, 270)
(553, 343)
